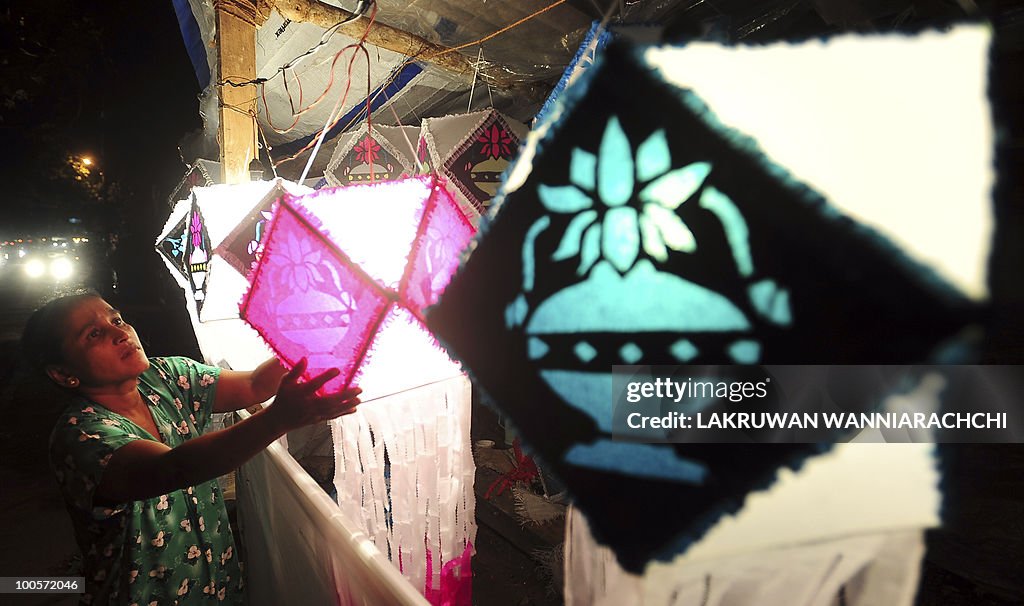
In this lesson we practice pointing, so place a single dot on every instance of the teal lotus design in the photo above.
(601, 187)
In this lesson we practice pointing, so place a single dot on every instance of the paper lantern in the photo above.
(184, 245)
(242, 246)
(472, 151)
(640, 229)
(171, 244)
(407, 453)
(197, 253)
(346, 275)
(365, 156)
(226, 214)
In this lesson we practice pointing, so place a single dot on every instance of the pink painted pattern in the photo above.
(308, 298)
(456, 584)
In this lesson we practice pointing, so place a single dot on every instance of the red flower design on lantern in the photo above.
(421, 149)
(367, 150)
(495, 142)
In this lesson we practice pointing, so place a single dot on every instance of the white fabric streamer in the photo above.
(428, 501)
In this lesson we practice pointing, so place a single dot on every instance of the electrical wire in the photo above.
(348, 125)
(297, 114)
(360, 45)
(360, 11)
(338, 107)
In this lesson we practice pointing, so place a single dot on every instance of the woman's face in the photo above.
(99, 347)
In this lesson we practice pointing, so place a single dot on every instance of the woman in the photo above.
(135, 463)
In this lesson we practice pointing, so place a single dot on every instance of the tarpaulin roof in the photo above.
(517, 67)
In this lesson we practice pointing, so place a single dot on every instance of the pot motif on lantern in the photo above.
(622, 224)
(477, 166)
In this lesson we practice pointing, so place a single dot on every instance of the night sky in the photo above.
(111, 81)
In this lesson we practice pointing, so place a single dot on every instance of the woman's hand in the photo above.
(298, 405)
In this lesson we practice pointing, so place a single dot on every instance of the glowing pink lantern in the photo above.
(346, 275)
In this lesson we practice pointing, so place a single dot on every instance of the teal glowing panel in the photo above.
(647, 233)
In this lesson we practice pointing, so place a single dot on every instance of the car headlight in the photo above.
(35, 268)
(62, 268)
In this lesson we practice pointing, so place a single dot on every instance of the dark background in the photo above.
(110, 81)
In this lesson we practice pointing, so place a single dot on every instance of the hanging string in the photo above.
(480, 41)
(352, 121)
(615, 4)
(382, 90)
(412, 148)
(500, 31)
(326, 37)
(476, 73)
(490, 97)
(297, 114)
(369, 120)
(359, 45)
(398, 122)
(360, 11)
(338, 106)
(266, 145)
(291, 100)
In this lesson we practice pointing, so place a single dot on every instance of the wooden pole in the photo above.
(236, 59)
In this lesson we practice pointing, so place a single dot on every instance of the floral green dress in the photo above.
(173, 549)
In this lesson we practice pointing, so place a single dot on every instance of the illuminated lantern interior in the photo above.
(346, 275)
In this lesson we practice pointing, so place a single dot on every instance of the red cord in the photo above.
(523, 470)
(360, 45)
(330, 83)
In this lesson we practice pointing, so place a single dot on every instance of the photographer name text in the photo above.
(816, 420)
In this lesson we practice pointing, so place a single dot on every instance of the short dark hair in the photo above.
(41, 340)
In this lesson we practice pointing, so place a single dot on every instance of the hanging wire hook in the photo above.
(476, 73)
